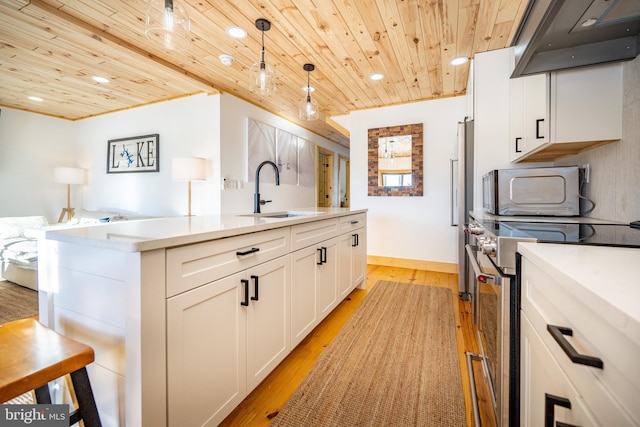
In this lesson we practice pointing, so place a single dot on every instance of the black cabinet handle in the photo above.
(538, 136)
(324, 255)
(550, 402)
(558, 333)
(355, 240)
(354, 222)
(250, 251)
(246, 292)
(518, 140)
(255, 288)
(320, 262)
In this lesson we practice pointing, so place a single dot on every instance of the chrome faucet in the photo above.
(256, 197)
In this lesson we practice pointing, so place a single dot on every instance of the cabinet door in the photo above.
(345, 264)
(542, 381)
(268, 340)
(529, 114)
(304, 315)
(206, 353)
(328, 278)
(359, 259)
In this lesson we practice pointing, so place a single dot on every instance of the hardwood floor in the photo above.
(267, 399)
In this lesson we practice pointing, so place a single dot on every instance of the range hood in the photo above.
(561, 34)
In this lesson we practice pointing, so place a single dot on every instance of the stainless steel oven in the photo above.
(494, 292)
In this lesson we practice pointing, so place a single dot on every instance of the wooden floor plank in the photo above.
(271, 395)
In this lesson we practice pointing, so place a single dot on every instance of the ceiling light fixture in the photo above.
(459, 60)
(376, 76)
(308, 108)
(35, 98)
(168, 24)
(226, 60)
(99, 79)
(236, 32)
(263, 77)
(308, 89)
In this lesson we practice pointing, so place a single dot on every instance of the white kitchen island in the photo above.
(187, 315)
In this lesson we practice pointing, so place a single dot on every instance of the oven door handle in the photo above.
(480, 276)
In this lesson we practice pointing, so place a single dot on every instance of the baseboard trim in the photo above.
(441, 267)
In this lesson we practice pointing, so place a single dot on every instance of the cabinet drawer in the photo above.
(310, 233)
(191, 266)
(610, 393)
(352, 222)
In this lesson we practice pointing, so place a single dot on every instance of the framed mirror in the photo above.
(396, 161)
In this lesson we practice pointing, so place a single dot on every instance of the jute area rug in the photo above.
(16, 302)
(395, 363)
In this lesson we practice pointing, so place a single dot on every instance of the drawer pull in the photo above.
(255, 288)
(558, 333)
(245, 282)
(250, 251)
(354, 222)
(550, 402)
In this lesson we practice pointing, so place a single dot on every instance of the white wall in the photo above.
(234, 115)
(213, 127)
(31, 146)
(416, 228)
(188, 127)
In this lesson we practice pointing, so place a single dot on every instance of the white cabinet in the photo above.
(565, 112)
(206, 353)
(574, 345)
(352, 266)
(529, 125)
(314, 293)
(223, 339)
(546, 392)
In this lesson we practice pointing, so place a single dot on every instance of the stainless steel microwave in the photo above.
(552, 191)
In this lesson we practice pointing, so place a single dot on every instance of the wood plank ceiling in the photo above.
(51, 48)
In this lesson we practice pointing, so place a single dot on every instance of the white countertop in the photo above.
(150, 234)
(603, 277)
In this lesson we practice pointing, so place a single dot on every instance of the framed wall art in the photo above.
(134, 154)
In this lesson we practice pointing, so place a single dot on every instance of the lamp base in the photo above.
(70, 212)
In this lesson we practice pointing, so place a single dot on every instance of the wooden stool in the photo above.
(32, 355)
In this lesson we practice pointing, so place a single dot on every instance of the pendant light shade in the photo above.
(168, 24)
(263, 77)
(307, 107)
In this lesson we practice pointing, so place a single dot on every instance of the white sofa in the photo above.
(19, 250)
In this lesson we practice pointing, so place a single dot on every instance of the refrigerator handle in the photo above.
(453, 166)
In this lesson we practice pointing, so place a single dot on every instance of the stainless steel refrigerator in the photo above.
(462, 200)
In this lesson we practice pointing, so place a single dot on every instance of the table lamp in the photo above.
(189, 169)
(65, 175)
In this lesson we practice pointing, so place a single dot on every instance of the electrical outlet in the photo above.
(586, 172)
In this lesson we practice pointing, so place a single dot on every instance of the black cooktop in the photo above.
(579, 234)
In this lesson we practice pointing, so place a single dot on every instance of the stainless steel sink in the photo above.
(287, 214)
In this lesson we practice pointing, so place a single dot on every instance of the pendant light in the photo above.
(263, 77)
(168, 24)
(308, 108)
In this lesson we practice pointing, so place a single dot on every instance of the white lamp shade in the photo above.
(189, 169)
(64, 175)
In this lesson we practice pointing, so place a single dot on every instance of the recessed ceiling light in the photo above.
(236, 32)
(100, 79)
(226, 60)
(459, 60)
(311, 88)
(376, 76)
(589, 22)
(35, 98)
